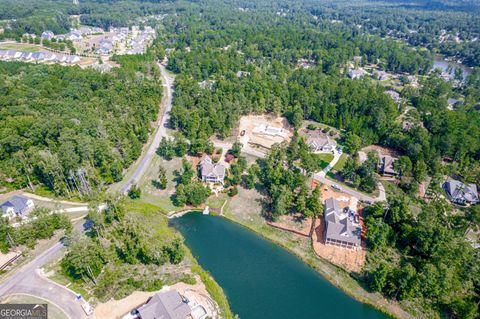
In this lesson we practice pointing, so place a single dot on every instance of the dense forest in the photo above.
(74, 129)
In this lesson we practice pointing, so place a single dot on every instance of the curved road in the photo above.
(159, 134)
(27, 280)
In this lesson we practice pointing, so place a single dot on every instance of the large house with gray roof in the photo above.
(386, 165)
(165, 305)
(460, 193)
(17, 206)
(320, 142)
(211, 172)
(341, 227)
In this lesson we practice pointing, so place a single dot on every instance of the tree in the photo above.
(180, 198)
(353, 143)
(314, 206)
(196, 193)
(85, 259)
(236, 149)
(166, 149)
(162, 178)
(403, 165)
(135, 192)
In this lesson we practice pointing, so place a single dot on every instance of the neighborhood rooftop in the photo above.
(165, 305)
(340, 229)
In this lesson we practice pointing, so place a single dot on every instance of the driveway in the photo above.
(159, 134)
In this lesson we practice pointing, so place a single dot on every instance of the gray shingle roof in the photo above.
(460, 192)
(209, 168)
(18, 203)
(339, 227)
(165, 305)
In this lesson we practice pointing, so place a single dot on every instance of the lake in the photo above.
(440, 63)
(262, 280)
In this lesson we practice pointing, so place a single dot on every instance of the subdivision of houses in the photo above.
(341, 226)
(17, 206)
(460, 193)
(211, 172)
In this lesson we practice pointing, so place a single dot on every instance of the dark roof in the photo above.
(165, 305)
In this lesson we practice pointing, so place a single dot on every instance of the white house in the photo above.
(17, 206)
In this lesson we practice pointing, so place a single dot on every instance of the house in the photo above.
(241, 74)
(341, 227)
(320, 142)
(211, 172)
(47, 35)
(17, 206)
(72, 59)
(263, 129)
(385, 165)
(394, 95)
(451, 103)
(407, 125)
(165, 305)
(356, 73)
(382, 75)
(460, 193)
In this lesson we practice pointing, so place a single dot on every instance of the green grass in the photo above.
(19, 47)
(323, 160)
(215, 291)
(341, 162)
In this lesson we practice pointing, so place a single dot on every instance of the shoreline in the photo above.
(325, 275)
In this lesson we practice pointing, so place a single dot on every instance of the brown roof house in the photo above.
(385, 165)
(340, 226)
(211, 172)
(165, 305)
(320, 142)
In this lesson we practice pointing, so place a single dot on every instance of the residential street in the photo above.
(27, 280)
(161, 132)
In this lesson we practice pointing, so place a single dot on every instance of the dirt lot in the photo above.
(197, 294)
(255, 140)
(296, 223)
(382, 150)
(348, 259)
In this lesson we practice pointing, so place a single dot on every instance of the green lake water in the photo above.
(262, 280)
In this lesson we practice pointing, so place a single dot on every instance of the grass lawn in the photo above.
(19, 47)
(160, 197)
(341, 162)
(323, 160)
(53, 311)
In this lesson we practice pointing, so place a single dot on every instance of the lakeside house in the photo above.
(460, 193)
(320, 142)
(165, 305)
(211, 172)
(385, 165)
(341, 227)
(17, 206)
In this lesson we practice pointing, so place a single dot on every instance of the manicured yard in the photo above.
(19, 47)
(341, 162)
(323, 160)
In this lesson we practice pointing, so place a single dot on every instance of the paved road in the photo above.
(159, 134)
(27, 280)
